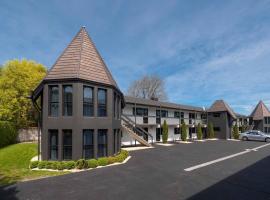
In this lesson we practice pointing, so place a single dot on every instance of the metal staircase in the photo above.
(136, 132)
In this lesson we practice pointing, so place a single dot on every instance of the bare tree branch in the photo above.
(148, 87)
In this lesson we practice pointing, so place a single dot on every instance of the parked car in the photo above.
(255, 135)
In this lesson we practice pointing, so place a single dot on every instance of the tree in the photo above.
(183, 132)
(165, 132)
(211, 133)
(148, 87)
(235, 132)
(17, 79)
(199, 132)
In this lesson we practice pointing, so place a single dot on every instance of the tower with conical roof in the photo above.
(80, 106)
(222, 117)
(260, 117)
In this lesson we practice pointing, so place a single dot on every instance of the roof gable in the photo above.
(81, 60)
(260, 111)
(221, 106)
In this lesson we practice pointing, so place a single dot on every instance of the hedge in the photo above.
(8, 133)
(81, 163)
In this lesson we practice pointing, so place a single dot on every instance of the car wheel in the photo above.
(267, 140)
(245, 138)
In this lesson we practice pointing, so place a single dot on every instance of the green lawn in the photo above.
(14, 164)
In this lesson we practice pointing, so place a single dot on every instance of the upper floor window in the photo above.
(53, 101)
(216, 114)
(191, 115)
(140, 111)
(176, 114)
(102, 102)
(118, 107)
(67, 100)
(203, 116)
(182, 115)
(115, 112)
(267, 120)
(162, 113)
(88, 101)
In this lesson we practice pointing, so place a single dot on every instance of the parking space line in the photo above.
(224, 158)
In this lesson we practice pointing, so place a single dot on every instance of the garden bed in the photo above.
(80, 165)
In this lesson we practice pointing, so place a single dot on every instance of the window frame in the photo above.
(56, 147)
(53, 102)
(104, 146)
(67, 103)
(102, 105)
(67, 146)
(86, 147)
(88, 103)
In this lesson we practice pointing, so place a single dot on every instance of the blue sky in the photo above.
(204, 50)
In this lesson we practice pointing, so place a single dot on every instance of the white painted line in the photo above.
(224, 158)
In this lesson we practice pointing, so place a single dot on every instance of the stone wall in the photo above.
(27, 135)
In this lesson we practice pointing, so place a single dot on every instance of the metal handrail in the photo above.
(131, 123)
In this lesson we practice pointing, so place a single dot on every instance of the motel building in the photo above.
(84, 114)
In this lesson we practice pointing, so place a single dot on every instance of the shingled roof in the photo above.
(81, 60)
(149, 102)
(221, 106)
(260, 111)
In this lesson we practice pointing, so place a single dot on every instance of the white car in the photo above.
(255, 135)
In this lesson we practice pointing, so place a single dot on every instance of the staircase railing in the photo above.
(138, 130)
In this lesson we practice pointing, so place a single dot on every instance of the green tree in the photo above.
(235, 132)
(184, 132)
(165, 132)
(211, 133)
(18, 78)
(199, 132)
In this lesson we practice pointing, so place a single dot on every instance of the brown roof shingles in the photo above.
(260, 111)
(81, 60)
(221, 106)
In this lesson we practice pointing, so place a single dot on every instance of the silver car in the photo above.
(255, 135)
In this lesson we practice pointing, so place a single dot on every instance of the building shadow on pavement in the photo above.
(252, 182)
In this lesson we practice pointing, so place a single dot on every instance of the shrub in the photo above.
(70, 164)
(92, 163)
(60, 166)
(235, 132)
(42, 164)
(165, 132)
(49, 164)
(34, 164)
(184, 132)
(124, 152)
(112, 159)
(211, 133)
(81, 164)
(8, 133)
(54, 165)
(199, 132)
(103, 161)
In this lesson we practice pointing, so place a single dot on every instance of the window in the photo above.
(216, 114)
(217, 129)
(102, 142)
(88, 101)
(53, 101)
(267, 120)
(145, 120)
(203, 116)
(191, 115)
(176, 131)
(53, 144)
(102, 103)
(114, 105)
(176, 114)
(67, 100)
(67, 144)
(119, 135)
(118, 108)
(265, 129)
(88, 143)
(158, 120)
(163, 113)
(117, 141)
(140, 111)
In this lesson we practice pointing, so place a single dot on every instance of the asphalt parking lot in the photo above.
(160, 173)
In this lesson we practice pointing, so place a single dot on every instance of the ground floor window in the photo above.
(102, 143)
(176, 131)
(115, 142)
(67, 144)
(88, 143)
(53, 144)
(217, 129)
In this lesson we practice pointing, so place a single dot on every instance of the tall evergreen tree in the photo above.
(165, 132)
(235, 132)
(184, 132)
(199, 132)
(211, 133)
